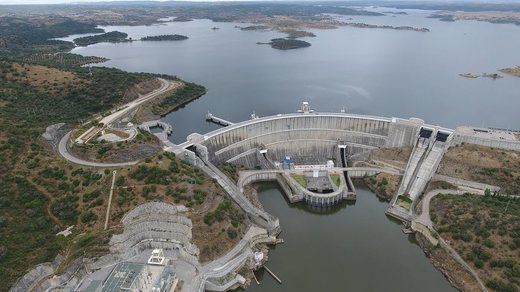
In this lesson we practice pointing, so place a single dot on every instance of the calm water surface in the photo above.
(369, 71)
(351, 248)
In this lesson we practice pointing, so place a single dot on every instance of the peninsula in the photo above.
(365, 25)
(110, 37)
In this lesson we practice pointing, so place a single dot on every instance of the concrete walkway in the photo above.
(110, 198)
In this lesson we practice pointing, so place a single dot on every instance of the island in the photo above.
(485, 75)
(165, 37)
(511, 71)
(469, 75)
(443, 17)
(396, 13)
(182, 19)
(110, 37)
(492, 75)
(253, 27)
(286, 44)
(366, 25)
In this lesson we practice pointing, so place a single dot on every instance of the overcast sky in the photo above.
(83, 1)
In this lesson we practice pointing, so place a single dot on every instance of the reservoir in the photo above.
(366, 71)
(348, 248)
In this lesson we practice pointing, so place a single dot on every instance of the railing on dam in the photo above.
(296, 192)
(249, 177)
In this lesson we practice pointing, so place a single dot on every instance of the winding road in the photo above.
(64, 152)
(63, 149)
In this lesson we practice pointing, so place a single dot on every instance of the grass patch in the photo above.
(336, 179)
(404, 202)
(300, 179)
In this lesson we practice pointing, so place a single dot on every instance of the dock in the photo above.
(254, 276)
(220, 121)
(407, 231)
(272, 274)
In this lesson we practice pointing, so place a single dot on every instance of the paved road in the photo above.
(110, 198)
(165, 86)
(424, 217)
(64, 152)
(62, 146)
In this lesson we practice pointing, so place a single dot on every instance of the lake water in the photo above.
(369, 71)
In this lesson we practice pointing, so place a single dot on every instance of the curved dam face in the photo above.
(308, 138)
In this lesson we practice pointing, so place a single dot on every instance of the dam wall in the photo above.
(249, 177)
(295, 192)
(308, 138)
(460, 138)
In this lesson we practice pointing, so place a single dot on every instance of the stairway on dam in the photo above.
(413, 165)
(422, 165)
(427, 169)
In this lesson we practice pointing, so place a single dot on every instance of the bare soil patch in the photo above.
(384, 185)
(43, 78)
(395, 156)
(140, 89)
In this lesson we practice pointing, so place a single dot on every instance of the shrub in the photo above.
(91, 196)
(65, 208)
(501, 286)
(489, 243)
(120, 180)
(88, 217)
(231, 233)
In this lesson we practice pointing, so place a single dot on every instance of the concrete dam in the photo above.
(306, 142)
(306, 137)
